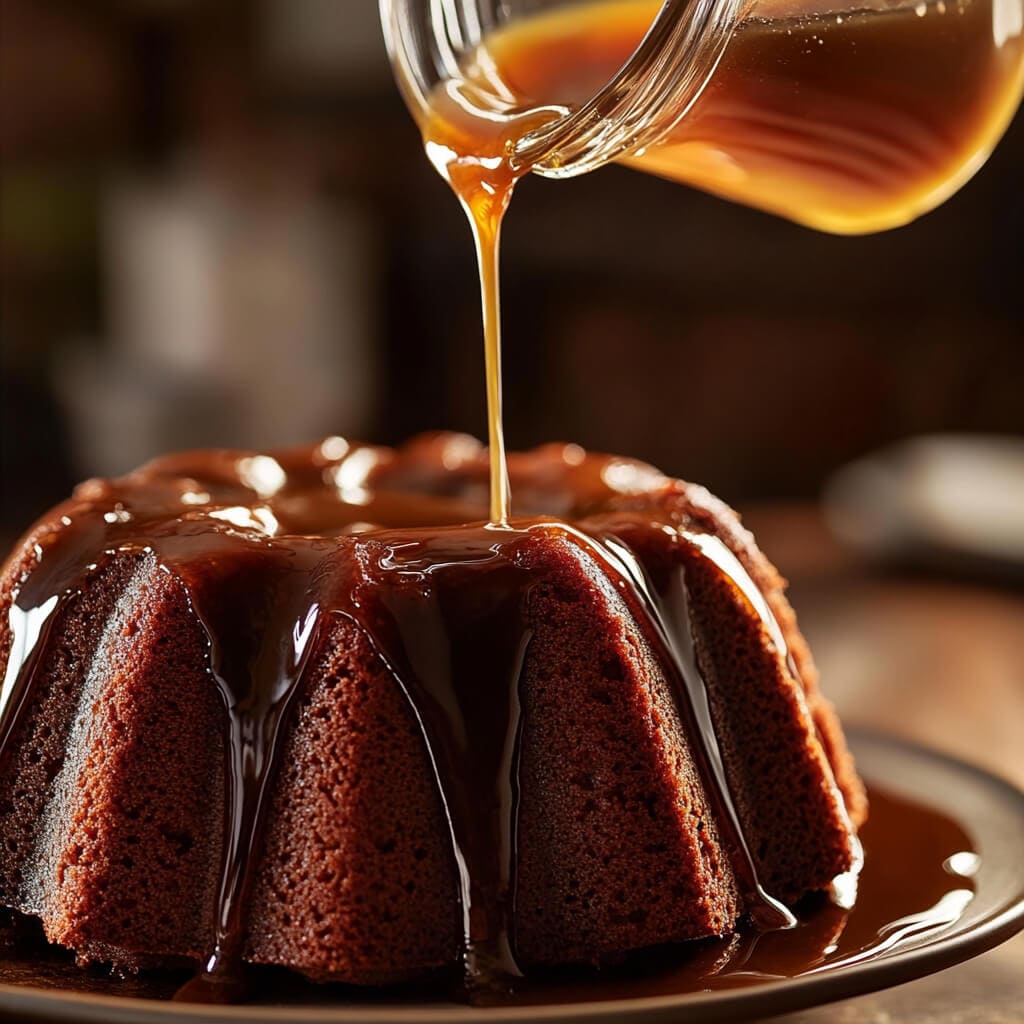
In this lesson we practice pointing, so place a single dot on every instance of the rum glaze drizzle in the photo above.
(265, 565)
(470, 137)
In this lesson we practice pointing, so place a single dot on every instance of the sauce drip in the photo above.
(269, 550)
(471, 150)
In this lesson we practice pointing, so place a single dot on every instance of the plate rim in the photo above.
(767, 999)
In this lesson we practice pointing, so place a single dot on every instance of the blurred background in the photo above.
(217, 227)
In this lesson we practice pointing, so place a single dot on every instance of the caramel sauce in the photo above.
(471, 154)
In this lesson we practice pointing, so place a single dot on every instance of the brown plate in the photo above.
(943, 881)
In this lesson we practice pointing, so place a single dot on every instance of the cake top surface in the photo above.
(340, 487)
(420, 508)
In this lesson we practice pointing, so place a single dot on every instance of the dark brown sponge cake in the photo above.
(283, 707)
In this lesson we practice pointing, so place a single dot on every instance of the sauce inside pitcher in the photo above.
(847, 121)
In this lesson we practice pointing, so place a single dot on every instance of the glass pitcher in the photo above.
(849, 117)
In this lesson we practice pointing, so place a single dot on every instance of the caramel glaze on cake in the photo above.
(283, 708)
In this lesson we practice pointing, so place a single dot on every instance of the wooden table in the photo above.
(936, 661)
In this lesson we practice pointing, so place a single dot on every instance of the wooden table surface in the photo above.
(936, 661)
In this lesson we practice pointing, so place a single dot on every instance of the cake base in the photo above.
(915, 914)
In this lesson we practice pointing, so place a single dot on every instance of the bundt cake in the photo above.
(287, 709)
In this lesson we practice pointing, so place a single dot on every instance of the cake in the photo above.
(289, 709)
